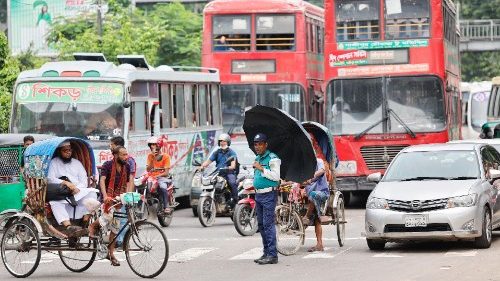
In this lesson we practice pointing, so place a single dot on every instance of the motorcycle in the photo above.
(245, 216)
(215, 197)
(147, 185)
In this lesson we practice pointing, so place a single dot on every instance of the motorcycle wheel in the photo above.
(163, 219)
(206, 211)
(244, 224)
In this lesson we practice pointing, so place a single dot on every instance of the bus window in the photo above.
(194, 105)
(179, 119)
(166, 106)
(231, 33)
(188, 99)
(215, 104)
(202, 105)
(139, 118)
(357, 20)
(153, 90)
(139, 89)
(407, 19)
(275, 32)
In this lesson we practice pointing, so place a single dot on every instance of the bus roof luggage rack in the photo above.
(195, 68)
(138, 61)
(89, 56)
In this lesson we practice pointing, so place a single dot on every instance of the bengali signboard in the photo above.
(391, 44)
(382, 69)
(30, 21)
(69, 92)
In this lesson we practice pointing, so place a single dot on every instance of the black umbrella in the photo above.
(286, 137)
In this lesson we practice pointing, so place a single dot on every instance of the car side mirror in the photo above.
(375, 177)
(494, 175)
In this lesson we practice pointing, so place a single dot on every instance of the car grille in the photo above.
(416, 206)
(379, 157)
(429, 228)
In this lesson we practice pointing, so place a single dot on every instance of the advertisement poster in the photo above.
(30, 21)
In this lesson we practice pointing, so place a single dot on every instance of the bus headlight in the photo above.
(347, 167)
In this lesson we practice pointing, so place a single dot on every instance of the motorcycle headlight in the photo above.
(138, 181)
(462, 201)
(377, 203)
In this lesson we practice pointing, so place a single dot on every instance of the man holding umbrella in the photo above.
(266, 180)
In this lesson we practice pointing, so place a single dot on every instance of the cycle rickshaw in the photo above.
(290, 230)
(33, 229)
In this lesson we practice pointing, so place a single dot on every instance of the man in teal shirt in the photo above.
(266, 180)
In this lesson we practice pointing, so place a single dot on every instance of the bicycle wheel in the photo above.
(290, 232)
(146, 249)
(340, 221)
(80, 258)
(163, 219)
(21, 249)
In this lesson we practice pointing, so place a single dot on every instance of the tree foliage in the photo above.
(479, 9)
(9, 69)
(167, 34)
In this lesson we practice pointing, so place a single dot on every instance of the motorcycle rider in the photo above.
(220, 156)
(158, 165)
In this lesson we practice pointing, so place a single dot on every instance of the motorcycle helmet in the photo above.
(224, 137)
(152, 140)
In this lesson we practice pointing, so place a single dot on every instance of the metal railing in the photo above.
(480, 30)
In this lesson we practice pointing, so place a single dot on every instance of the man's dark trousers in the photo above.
(265, 205)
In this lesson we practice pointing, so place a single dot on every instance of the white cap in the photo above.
(65, 143)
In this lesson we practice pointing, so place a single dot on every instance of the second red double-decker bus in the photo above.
(392, 80)
(269, 52)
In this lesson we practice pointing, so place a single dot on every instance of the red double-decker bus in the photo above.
(269, 52)
(392, 80)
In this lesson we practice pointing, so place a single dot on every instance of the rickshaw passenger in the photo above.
(317, 192)
(63, 165)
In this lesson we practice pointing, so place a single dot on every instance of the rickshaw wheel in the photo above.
(340, 221)
(82, 257)
(146, 249)
(21, 249)
(290, 233)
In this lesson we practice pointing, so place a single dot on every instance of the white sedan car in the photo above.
(438, 191)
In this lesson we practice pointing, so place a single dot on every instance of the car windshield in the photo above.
(433, 165)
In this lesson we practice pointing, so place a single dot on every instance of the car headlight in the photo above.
(462, 201)
(377, 203)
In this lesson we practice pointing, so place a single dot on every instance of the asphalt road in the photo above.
(220, 253)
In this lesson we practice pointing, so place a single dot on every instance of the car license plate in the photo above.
(415, 221)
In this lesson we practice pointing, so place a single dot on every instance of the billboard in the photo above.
(29, 21)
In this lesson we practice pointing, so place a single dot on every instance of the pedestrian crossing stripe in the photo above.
(249, 255)
(190, 254)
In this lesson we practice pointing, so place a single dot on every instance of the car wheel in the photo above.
(375, 245)
(484, 241)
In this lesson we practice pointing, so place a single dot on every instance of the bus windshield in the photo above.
(91, 110)
(479, 109)
(356, 104)
(237, 98)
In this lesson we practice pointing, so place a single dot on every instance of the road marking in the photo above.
(468, 253)
(33, 262)
(447, 267)
(249, 255)
(320, 255)
(189, 254)
(387, 255)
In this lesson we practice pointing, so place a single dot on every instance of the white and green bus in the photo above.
(96, 100)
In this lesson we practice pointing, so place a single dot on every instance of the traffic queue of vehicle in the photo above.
(389, 124)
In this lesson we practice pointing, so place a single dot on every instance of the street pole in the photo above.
(99, 21)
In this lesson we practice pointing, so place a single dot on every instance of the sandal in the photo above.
(113, 260)
(315, 249)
